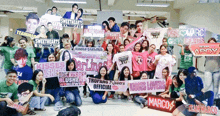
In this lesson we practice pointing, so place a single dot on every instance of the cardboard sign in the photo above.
(72, 78)
(71, 23)
(172, 41)
(130, 46)
(203, 109)
(91, 49)
(162, 104)
(112, 35)
(55, 20)
(19, 107)
(46, 42)
(146, 86)
(18, 82)
(173, 33)
(192, 32)
(89, 61)
(93, 33)
(208, 49)
(106, 85)
(22, 33)
(50, 69)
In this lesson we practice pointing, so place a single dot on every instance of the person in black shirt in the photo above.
(51, 34)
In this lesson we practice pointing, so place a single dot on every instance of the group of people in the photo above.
(186, 87)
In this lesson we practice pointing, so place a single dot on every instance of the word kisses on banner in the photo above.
(208, 49)
(163, 104)
(203, 109)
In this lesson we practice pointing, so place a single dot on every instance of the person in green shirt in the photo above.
(186, 57)
(30, 59)
(7, 51)
(38, 101)
(8, 93)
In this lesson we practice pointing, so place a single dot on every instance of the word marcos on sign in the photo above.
(208, 49)
(163, 104)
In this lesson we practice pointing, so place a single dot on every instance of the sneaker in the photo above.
(142, 105)
(111, 96)
(58, 106)
(85, 95)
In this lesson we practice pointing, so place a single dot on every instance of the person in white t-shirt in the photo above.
(163, 60)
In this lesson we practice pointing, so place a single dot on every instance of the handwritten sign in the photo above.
(93, 33)
(112, 35)
(18, 107)
(106, 85)
(71, 23)
(172, 41)
(146, 86)
(173, 33)
(50, 69)
(22, 33)
(89, 61)
(72, 78)
(163, 104)
(203, 109)
(208, 49)
(46, 42)
(92, 49)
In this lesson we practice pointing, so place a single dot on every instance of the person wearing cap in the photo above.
(194, 88)
(71, 14)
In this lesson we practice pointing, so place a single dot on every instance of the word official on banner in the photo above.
(162, 104)
(50, 69)
(112, 35)
(71, 23)
(207, 49)
(22, 33)
(46, 42)
(106, 85)
(146, 86)
(89, 61)
(93, 33)
(72, 78)
(203, 109)
(94, 49)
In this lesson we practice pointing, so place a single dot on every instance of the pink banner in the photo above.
(146, 86)
(93, 33)
(130, 46)
(174, 33)
(50, 69)
(113, 35)
(72, 78)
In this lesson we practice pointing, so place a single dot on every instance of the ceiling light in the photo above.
(21, 10)
(136, 15)
(3, 15)
(70, 1)
(153, 4)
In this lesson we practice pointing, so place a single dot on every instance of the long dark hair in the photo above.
(164, 47)
(140, 47)
(111, 51)
(122, 75)
(184, 71)
(51, 54)
(105, 22)
(35, 76)
(145, 48)
(68, 63)
(106, 75)
(63, 57)
(178, 81)
(81, 12)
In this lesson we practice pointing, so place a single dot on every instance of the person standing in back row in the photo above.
(113, 26)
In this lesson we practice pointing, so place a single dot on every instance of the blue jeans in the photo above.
(111, 77)
(55, 94)
(139, 100)
(38, 102)
(73, 97)
(207, 95)
(151, 74)
(97, 98)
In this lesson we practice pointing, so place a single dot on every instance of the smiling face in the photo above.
(11, 78)
(126, 42)
(140, 27)
(137, 47)
(79, 13)
(23, 43)
(42, 30)
(122, 49)
(163, 50)
(175, 83)
(51, 58)
(126, 72)
(165, 73)
(75, 8)
(71, 66)
(22, 98)
(31, 25)
(144, 76)
(22, 62)
(103, 72)
(111, 23)
(182, 76)
(152, 48)
(124, 29)
(110, 47)
(144, 44)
